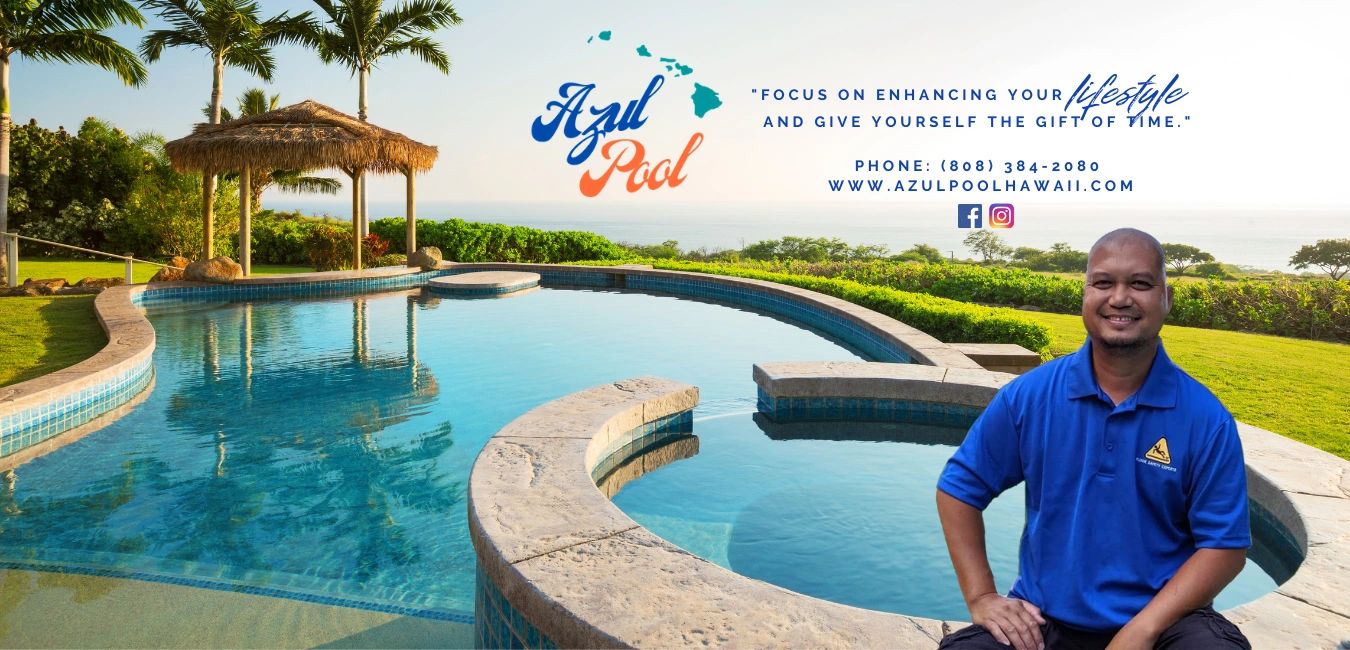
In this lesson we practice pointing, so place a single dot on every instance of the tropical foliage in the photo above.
(1315, 309)
(465, 241)
(66, 31)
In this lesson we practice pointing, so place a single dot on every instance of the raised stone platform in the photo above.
(1000, 357)
(484, 283)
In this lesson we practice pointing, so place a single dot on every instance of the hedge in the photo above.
(466, 241)
(1311, 309)
(945, 319)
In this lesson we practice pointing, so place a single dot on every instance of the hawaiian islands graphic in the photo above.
(705, 99)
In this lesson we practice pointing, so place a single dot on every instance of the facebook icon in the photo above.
(968, 215)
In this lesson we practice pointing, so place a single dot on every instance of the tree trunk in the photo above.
(410, 214)
(4, 159)
(362, 113)
(209, 180)
(245, 224)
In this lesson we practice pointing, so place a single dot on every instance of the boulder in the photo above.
(100, 283)
(168, 274)
(216, 269)
(53, 283)
(427, 257)
(45, 287)
(26, 290)
(79, 290)
(179, 262)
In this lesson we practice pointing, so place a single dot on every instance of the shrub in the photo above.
(391, 259)
(278, 239)
(374, 246)
(465, 241)
(1212, 270)
(329, 248)
(947, 320)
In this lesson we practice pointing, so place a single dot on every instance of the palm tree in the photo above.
(255, 101)
(68, 31)
(359, 33)
(232, 33)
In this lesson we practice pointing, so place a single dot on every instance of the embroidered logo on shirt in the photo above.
(1159, 452)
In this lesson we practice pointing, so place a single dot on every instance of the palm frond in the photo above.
(62, 15)
(417, 16)
(152, 46)
(255, 60)
(424, 48)
(290, 180)
(85, 46)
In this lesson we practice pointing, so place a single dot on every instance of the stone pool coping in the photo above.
(577, 571)
(106, 380)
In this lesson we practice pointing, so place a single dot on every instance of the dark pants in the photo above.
(1202, 629)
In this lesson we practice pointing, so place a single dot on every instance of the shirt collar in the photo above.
(1159, 389)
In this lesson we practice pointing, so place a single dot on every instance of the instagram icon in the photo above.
(1000, 215)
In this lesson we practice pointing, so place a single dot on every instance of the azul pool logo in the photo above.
(579, 119)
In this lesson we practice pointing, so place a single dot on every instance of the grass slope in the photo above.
(1293, 387)
(43, 334)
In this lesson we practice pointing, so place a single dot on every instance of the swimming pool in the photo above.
(319, 448)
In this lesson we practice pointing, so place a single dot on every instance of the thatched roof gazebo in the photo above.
(307, 135)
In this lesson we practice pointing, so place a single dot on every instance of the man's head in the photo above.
(1126, 297)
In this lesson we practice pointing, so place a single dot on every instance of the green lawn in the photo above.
(39, 335)
(1294, 387)
(74, 270)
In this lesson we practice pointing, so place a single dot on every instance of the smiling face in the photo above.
(1126, 297)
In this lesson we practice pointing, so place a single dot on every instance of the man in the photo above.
(1136, 494)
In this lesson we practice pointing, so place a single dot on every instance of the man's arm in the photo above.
(1011, 621)
(1195, 585)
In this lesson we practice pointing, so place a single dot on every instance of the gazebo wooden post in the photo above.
(245, 222)
(411, 212)
(208, 214)
(356, 216)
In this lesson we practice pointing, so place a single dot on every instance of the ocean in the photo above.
(1262, 238)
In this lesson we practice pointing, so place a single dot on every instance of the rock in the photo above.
(179, 262)
(168, 274)
(100, 283)
(1030, 308)
(427, 257)
(216, 269)
(24, 290)
(45, 287)
(81, 290)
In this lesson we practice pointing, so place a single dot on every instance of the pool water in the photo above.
(316, 449)
(841, 511)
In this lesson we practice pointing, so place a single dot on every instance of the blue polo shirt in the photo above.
(1117, 496)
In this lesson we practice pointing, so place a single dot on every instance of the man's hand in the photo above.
(1012, 622)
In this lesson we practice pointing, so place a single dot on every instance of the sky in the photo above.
(1266, 89)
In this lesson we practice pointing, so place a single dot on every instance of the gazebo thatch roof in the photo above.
(307, 135)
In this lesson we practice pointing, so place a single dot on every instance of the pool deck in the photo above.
(1306, 489)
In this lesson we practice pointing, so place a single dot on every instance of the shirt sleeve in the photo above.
(1218, 495)
(989, 461)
